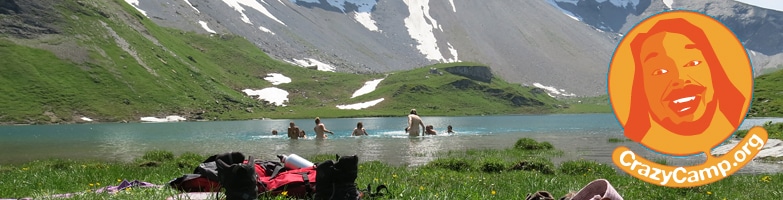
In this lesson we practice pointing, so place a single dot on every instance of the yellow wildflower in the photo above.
(766, 179)
(98, 183)
(494, 192)
(394, 175)
(709, 193)
(421, 187)
(25, 168)
(91, 185)
(284, 193)
(118, 180)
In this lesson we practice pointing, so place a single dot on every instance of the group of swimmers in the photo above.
(414, 121)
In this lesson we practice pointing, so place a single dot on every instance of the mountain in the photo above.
(525, 42)
(104, 61)
(758, 28)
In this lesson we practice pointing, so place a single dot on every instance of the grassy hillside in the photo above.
(767, 99)
(110, 63)
(767, 95)
(597, 104)
(430, 94)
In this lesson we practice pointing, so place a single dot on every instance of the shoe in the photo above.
(540, 195)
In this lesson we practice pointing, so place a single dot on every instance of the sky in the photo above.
(770, 4)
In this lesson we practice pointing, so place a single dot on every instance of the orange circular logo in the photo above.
(680, 83)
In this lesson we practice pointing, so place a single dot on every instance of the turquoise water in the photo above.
(579, 135)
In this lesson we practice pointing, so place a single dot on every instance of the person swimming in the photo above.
(430, 130)
(359, 130)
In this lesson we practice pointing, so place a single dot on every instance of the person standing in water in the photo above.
(320, 129)
(414, 122)
(448, 129)
(293, 131)
(359, 130)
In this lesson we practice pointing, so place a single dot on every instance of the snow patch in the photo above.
(453, 53)
(273, 95)
(668, 3)
(309, 62)
(368, 87)
(359, 106)
(768, 4)
(86, 119)
(567, 13)
(361, 5)
(135, 4)
(277, 78)
(306, 1)
(204, 25)
(237, 5)
(264, 29)
(552, 91)
(191, 5)
(421, 31)
(621, 3)
(170, 118)
(453, 8)
(568, 1)
(365, 19)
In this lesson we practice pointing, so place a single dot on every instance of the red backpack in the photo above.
(273, 177)
(299, 183)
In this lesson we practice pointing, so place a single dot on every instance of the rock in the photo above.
(477, 73)
(773, 148)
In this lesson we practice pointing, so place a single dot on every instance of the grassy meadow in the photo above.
(509, 173)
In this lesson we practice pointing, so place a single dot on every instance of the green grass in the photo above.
(774, 130)
(618, 140)
(470, 174)
(767, 95)
(596, 104)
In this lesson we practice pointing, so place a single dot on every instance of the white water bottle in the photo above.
(294, 161)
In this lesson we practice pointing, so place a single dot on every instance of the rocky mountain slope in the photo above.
(525, 42)
(760, 29)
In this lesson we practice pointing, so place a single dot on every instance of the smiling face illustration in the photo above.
(680, 83)
(677, 80)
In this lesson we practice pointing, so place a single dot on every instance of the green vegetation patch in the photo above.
(767, 95)
(531, 144)
(774, 130)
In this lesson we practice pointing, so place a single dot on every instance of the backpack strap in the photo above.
(276, 171)
(308, 186)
